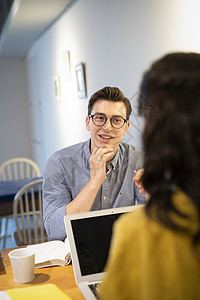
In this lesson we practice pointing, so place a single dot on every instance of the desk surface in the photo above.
(63, 277)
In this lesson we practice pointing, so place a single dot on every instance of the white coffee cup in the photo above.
(23, 264)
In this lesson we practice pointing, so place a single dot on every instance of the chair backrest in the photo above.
(19, 168)
(28, 214)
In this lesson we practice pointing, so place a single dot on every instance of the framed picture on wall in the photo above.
(81, 80)
(57, 91)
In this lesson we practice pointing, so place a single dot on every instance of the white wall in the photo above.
(117, 40)
(14, 112)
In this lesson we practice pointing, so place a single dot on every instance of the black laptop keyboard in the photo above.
(94, 289)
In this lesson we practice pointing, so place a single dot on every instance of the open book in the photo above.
(52, 253)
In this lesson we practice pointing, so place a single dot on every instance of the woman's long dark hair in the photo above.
(170, 103)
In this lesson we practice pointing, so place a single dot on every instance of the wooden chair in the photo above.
(19, 168)
(28, 214)
(14, 169)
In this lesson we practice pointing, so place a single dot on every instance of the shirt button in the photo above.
(104, 197)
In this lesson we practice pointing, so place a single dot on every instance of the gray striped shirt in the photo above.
(66, 173)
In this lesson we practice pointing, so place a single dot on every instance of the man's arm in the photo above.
(84, 200)
(57, 195)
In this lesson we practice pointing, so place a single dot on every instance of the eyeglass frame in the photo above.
(91, 116)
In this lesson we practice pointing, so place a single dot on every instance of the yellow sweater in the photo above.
(151, 262)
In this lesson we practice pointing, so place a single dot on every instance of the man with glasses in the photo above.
(96, 174)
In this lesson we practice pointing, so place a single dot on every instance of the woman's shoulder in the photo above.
(139, 225)
(132, 221)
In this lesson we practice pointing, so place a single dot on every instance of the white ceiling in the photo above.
(27, 20)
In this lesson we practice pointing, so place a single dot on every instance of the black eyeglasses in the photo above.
(100, 119)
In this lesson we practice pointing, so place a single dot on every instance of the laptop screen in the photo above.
(92, 239)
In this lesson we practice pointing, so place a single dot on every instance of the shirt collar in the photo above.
(186, 207)
(114, 161)
(183, 203)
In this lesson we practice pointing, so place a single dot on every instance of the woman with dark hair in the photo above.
(155, 251)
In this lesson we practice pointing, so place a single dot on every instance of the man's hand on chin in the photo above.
(98, 162)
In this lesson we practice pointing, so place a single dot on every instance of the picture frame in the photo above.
(81, 80)
(66, 62)
(57, 90)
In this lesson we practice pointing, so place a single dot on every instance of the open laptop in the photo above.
(89, 237)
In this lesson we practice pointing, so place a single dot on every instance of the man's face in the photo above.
(106, 136)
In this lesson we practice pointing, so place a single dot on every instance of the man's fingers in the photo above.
(138, 180)
(108, 156)
(138, 175)
(99, 153)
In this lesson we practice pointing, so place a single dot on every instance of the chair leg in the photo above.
(0, 227)
(6, 235)
(1, 233)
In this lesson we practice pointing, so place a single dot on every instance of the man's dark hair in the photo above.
(110, 94)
